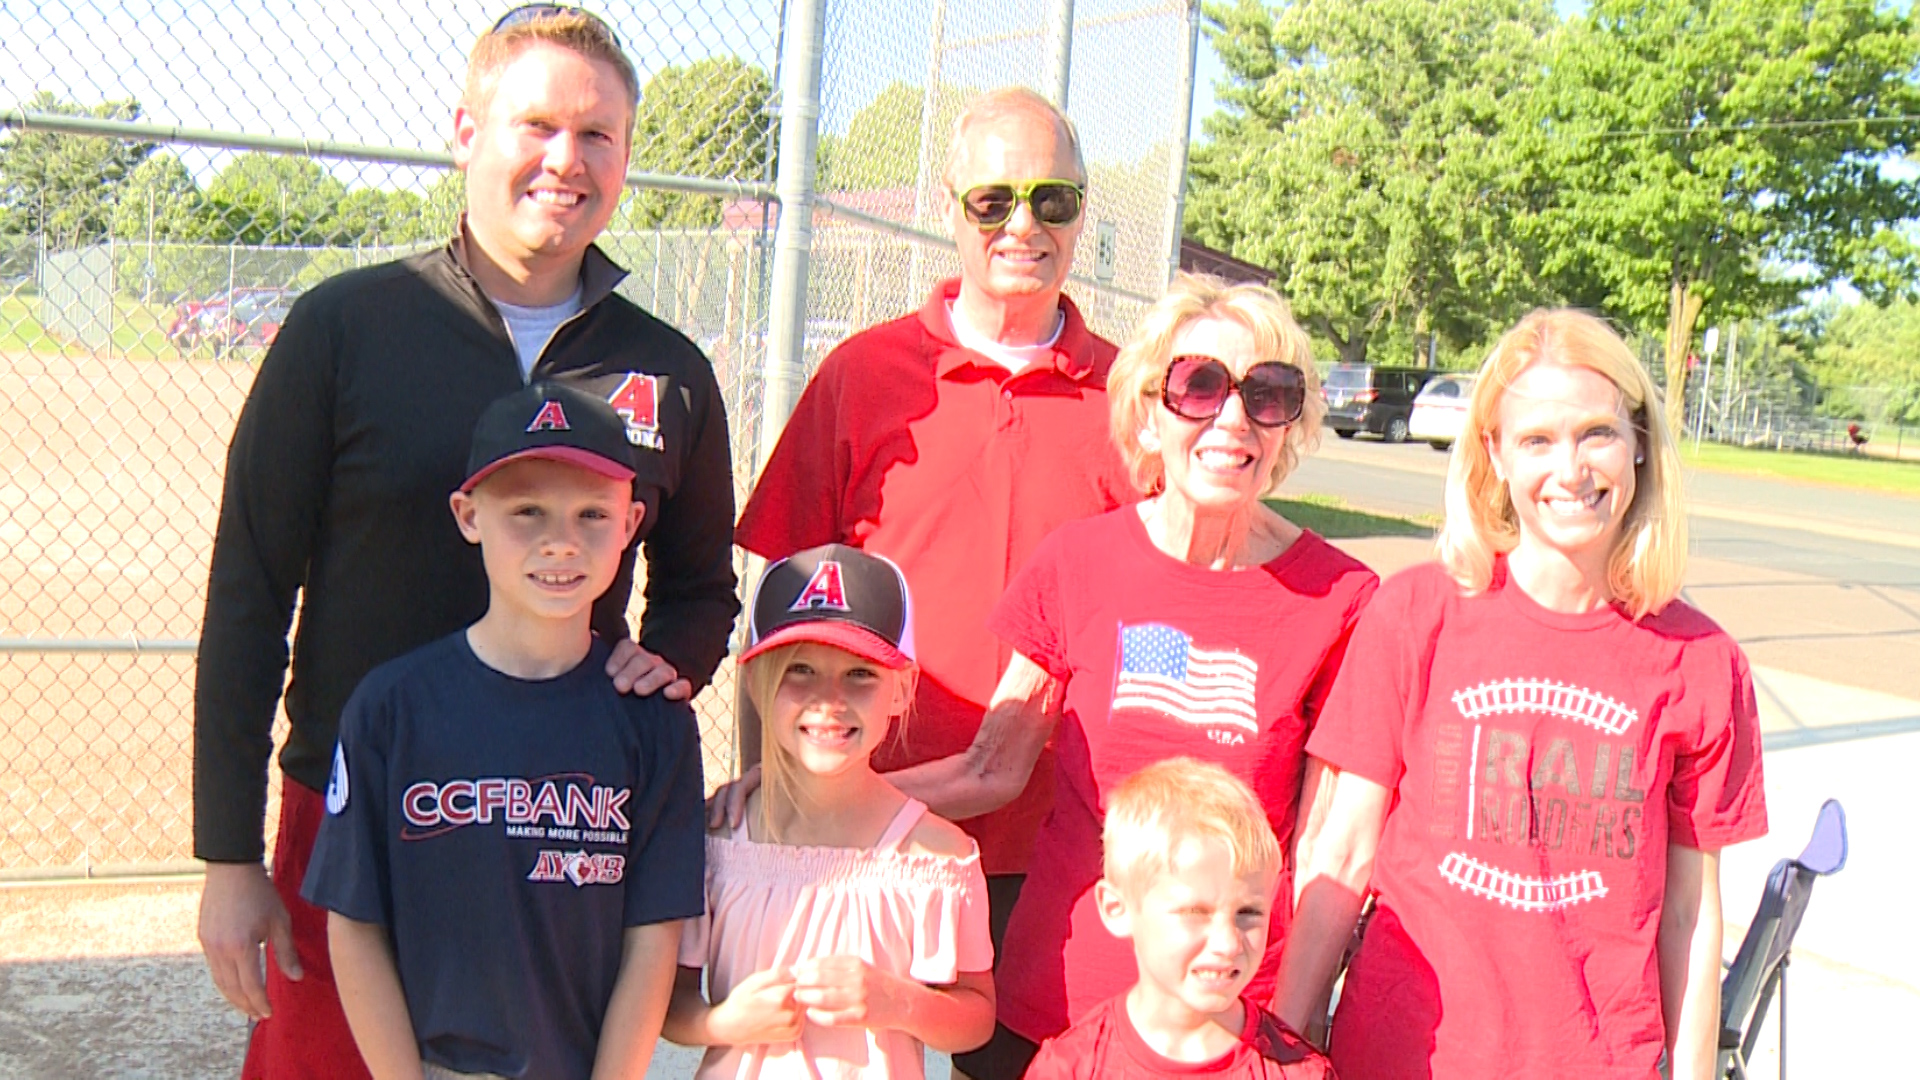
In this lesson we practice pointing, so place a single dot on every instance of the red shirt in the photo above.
(910, 446)
(1160, 658)
(1541, 765)
(1104, 1045)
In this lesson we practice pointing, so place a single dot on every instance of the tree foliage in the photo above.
(270, 199)
(1866, 359)
(63, 187)
(881, 147)
(1721, 155)
(160, 202)
(711, 119)
(1359, 157)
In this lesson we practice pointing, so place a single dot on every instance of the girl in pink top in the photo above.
(846, 928)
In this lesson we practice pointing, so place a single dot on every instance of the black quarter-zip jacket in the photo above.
(354, 433)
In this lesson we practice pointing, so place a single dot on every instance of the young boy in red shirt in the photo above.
(1191, 875)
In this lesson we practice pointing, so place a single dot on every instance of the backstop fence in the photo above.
(172, 175)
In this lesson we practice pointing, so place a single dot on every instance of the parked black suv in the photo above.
(1362, 397)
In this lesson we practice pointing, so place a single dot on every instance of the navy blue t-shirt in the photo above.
(506, 832)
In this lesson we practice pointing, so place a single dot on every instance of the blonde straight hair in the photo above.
(779, 772)
(1153, 811)
(1649, 560)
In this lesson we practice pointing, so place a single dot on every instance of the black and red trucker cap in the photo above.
(554, 422)
(834, 595)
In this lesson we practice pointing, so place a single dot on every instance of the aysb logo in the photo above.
(580, 868)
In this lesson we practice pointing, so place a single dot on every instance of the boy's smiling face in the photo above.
(551, 535)
(1199, 931)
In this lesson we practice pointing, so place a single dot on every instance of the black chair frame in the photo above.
(1758, 975)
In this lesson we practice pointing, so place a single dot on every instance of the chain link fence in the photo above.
(173, 175)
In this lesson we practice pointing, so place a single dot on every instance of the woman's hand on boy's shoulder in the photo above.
(636, 671)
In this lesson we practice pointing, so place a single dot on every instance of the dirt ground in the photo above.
(109, 491)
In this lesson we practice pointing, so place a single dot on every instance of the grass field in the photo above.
(1840, 470)
(1335, 520)
(139, 331)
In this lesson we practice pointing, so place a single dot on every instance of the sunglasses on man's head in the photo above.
(1197, 388)
(1054, 202)
(527, 13)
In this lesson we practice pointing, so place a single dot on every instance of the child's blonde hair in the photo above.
(1156, 809)
(779, 787)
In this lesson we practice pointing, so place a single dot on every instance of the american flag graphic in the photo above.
(1161, 671)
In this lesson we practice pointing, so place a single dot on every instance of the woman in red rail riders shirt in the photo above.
(1534, 756)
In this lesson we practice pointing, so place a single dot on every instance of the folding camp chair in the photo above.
(1760, 968)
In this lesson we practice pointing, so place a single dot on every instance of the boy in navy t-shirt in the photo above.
(510, 842)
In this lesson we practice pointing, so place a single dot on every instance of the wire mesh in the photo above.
(144, 272)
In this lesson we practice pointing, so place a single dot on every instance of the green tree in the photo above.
(277, 200)
(1359, 157)
(161, 202)
(1867, 362)
(64, 186)
(881, 147)
(1680, 154)
(710, 119)
(375, 217)
(445, 201)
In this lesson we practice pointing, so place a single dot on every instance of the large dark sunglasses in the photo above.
(1054, 202)
(1197, 388)
(527, 13)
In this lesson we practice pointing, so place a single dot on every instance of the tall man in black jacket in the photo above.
(353, 435)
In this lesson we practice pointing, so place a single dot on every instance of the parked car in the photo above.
(250, 316)
(1439, 409)
(1378, 400)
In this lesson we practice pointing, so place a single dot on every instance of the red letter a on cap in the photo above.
(823, 590)
(550, 418)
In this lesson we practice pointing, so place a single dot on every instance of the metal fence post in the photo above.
(929, 117)
(793, 237)
(1177, 160)
(1060, 53)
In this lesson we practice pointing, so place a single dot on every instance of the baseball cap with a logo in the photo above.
(834, 595)
(554, 422)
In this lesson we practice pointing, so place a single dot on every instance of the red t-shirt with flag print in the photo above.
(1541, 764)
(1160, 659)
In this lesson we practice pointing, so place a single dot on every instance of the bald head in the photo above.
(1005, 106)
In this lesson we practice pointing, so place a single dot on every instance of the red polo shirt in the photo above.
(911, 446)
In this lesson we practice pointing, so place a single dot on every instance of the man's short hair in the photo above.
(574, 30)
(1170, 802)
(999, 105)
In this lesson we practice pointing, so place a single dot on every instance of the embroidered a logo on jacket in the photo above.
(637, 400)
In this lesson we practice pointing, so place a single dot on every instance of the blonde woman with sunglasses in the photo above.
(1197, 623)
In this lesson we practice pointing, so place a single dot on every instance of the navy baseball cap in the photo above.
(553, 422)
(834, 595)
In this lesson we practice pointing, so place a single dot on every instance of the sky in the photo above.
(387, 73)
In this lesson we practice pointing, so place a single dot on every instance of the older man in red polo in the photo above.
(953, 439)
